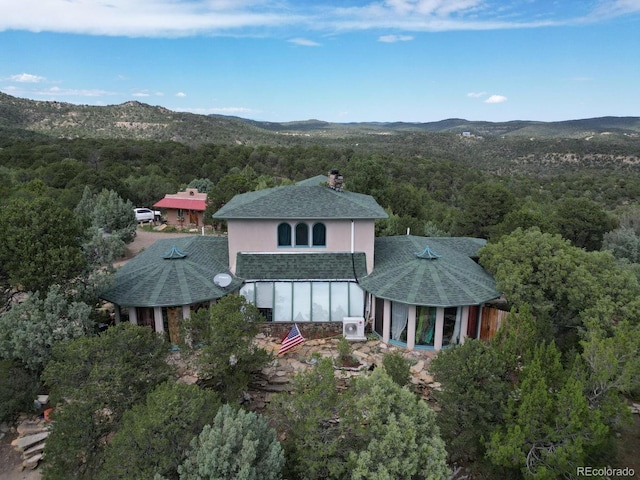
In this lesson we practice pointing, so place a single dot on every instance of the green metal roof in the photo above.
(305, 200)
(402, 272)
(301, 266)
(173, 272)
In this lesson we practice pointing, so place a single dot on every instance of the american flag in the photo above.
(291, 340)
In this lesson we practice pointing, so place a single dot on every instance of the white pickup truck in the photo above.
(146, 215)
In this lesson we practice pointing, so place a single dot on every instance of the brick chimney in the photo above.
(335, 180)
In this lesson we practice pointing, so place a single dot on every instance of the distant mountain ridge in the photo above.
(561, 129)
(138, 120)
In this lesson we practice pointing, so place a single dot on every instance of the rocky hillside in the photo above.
(141, 121)
(518, 146)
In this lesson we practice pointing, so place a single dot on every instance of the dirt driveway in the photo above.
(144, 239)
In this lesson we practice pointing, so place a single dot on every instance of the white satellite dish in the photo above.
(222, 280)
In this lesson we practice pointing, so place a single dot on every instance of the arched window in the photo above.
(319, 235)
(302, 235)
(284, 235)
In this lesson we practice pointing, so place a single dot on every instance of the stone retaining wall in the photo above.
(309, 330)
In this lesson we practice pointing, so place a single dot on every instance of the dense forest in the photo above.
(454, 196)
(66, 203)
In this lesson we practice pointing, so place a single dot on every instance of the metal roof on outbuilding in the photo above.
(183, 203)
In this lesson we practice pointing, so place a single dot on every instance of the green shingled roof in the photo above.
(301, 266)
(317, 180)
(152, 280)
(453, 279)
(301, 201)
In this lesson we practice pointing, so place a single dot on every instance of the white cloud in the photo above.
(432, 7)
(496, 99)
(172, 18)
(476, 94)
(26, 78)
(67, 92)
(56, 93)
(395, 38)
(147, 93)
(231, 110)
(181, 94)
(144, 18)
(304, 42)
(615, 8)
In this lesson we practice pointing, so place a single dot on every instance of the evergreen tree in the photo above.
(308, 420)
(30, 330)
(93, 381)
(109, 213)
(39, 244)
(376, 429)
(155, 435)
(228, 355)
(238, 445)
(474, 388)
(390, 433)
(549, 427)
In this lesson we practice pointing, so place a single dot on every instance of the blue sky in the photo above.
(332, 60)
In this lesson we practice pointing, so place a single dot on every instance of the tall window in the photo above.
(451, 326)
(399, 319)
(302, 235)
(425, 325)
(284, 235)
(319, 235)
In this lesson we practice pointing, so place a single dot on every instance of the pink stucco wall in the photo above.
(262, 236)
(171, 216)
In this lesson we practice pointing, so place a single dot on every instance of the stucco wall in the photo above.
(171, 216)
(253, 236)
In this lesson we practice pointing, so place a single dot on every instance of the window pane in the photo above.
(302, 235)
(399, 319)
(425, 325)
(451, 327)
(301, 301)
(320, 302)
(319, 235)
(264, 294)
(284, 235)
(283, 299)
(356, 300)
(339, 301)
(248, 291)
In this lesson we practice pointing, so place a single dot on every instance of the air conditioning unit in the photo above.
(353, 328)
